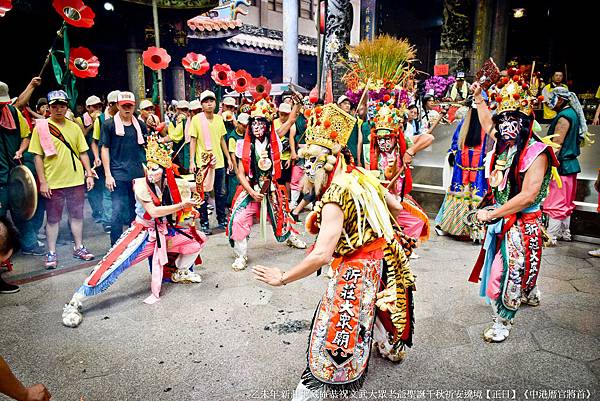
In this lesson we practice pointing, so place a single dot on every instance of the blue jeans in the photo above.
(100, 201)
(123, 209)
(220, 199)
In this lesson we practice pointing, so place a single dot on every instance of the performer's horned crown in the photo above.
(329, 125)
(158, 152)
(513, 94)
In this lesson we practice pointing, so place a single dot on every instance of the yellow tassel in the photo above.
(556, 177)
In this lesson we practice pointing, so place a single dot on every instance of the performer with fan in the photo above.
(158, 229)
(259, 193)
(370, 296)
(509, 262)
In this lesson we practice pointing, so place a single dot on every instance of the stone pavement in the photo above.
(233, 338)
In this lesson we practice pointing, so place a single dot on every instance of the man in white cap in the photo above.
(123, 155)
(195, 107)
(14, 140)
(207, 132)
(178, 132)
(146, 111)
(62, 167)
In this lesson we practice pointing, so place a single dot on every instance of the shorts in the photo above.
(286, 173)
(74, 197)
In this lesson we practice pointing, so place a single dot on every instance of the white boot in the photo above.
(533, 298)
(382, 341)
(302, 393)
(241, 251)
(183, 274)
(295, 242)
(499, 331)
(554, 230)
(72, 316)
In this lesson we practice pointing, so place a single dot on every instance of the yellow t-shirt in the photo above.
(58, 169)
(548, 112)
(23, 126)
(598, 93)
(176, 133)
(232, 145)
(287, 154)
(217, 131)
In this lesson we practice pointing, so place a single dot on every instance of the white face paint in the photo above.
(259, 129)
(315, 158)
(509, 127)
(386, 143)
(154, 173)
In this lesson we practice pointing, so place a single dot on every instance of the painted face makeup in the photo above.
(259, 129)
(386, 143)
(509, 127)
(154, 173)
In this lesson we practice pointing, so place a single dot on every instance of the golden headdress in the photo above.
(329, 126)
(513, 93)
(263, 109)
(158, 152)
(387, 117)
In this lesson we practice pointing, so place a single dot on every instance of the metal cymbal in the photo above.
(22, 192)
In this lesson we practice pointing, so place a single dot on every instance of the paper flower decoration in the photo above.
(222, 74)
(75, 13)
(83, 63)
(241, 80)
(195, 64)
(5, 6)
(156, 58)
(439, 85)
(260, 87)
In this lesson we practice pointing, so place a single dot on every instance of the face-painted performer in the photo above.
(162, 203)
(369, 298)
(258, 169)
(520, 174)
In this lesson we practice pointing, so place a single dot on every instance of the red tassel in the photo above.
(275, 154)
(374, 153)
(246, 152)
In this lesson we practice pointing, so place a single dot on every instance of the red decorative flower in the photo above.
(307, 113)
(241, 81)
(499, 99)
(222, 74)
(75, 13)
(156, 58)
(195, 64)
(5, 6)
(386, 98)
(260, 88)
(83, 63)
(540, 98)
(327, 124)
(516, 96)
(333, 135)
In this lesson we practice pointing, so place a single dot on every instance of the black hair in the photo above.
(9, 237)
(514, 177)
(473, 137)
(412, 106)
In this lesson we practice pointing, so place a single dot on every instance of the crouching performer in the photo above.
(162, 203)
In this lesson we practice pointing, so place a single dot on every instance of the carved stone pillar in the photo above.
(456, 35)
(178, 82)
(337, 36)
(135, 73)
(500, 35)
(484, 17)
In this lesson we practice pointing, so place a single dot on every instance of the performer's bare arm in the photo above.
(110, 180)
(41, 174)
(530, 189)
(89, 175)
(485, 116)
(12, 387)
(332, 220)
(241, 174)
(393, 204)
(561, 130)
(23, 148)
(161, 211)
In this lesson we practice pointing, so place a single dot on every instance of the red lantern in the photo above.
(156, 58)
(260, 88)
(195, 64)
(222, 74)
(75, 13)
(83, 63)
(241, 81)
(5, 6)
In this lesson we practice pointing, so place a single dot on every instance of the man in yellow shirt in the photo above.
(556, 81)
(212, 142)
(61, 158)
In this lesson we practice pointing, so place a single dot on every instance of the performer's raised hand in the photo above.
(269, 275)
(476, 88)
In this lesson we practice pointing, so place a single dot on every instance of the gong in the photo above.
(22, 193)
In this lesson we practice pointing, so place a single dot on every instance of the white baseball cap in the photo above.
(195, 104)
(229, 101)
(243, 118)
(112, 97)
(343, 98)
(207, 95)
(126, 98)
(144, 104)
(285, 108)
(183, 104)
(4, 98)
(92, 100)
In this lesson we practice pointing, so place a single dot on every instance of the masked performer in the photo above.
(509, 262)
(259, 193)
(391, 154)
(161, 204)
(469, 185)
(369, 298)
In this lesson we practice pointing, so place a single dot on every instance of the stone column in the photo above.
(500, 32)
(290, 41)
(178, 82)
(456, 34)
(135, 73)
(484, 14)
(337, 36)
